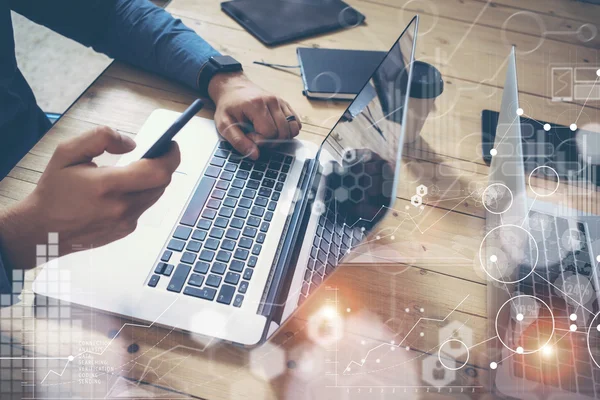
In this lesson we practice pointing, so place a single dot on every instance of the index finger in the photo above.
(146, 173)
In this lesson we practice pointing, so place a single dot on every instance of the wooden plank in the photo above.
(535, 18)
(575, 9)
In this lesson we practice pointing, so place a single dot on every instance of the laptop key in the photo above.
(282, 177)
(218, 194)
(249, 232)
(256, 249)
(253, 221)
(268, 216)
(264, 227)
(201, 267)
(288, 160)
(256, 175)
(232, 234)
(241, 254)
(168, 270)
(246, 203)
(226, 175)
(279, 186)
(237, 302)
(261, 201)
(232, 278)
(166, 256)
(252, 261)
(204, 293)
(224, 256)
(261, 238)
(219, 268)
(223, 144)
(216, 233)
(153, 280)
(214, 204)
(236, 266)
(248, 274)
(238, 183)
(221, 222)
(207, 255)
(221, 153)
(226, 294)
(245, 243)
(211, 244)
(196, 280)
(228, 244)
(217, 162)
(230, 202)
(285, 169)
(237, 223)
(242, 174)
(213, 280)
(209, 214)
(212, 171)
(275, 196)
(265, 192)
(204, 224)
(234, 192)
(160, 267)
(246, 165)
(257, 211)
(243, 288)
(249, 193)
(222, 184)
(176, 245)
(260, 166)
(231, 167)
(182, 232)
(188, 257)
(198, 200)
(252, 184)
(179, 278)
(241, 213)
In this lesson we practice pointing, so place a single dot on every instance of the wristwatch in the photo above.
(216, 65)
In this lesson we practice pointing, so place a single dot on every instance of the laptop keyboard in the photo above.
(332, 241)
(220, 236)
(563, 254)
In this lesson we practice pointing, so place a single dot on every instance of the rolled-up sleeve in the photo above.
(134, 31)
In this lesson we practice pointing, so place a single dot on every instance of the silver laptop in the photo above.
(540, 259)
(235, 246)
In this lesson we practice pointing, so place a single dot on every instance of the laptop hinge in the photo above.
(279, 279)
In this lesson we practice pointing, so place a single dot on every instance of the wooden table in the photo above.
(407, 286)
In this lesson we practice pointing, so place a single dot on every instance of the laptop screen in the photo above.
(360, 157)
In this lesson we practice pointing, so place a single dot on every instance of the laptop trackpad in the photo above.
(166, 209)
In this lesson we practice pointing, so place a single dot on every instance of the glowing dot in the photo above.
(598, 328)
(519, 111)
(573, 328)
(422, 207)
(377, 237)
(493, 365)
(573, 127)
(348, 309)
(363, 342)
(547, 350)
(422, 334)
(493, 152)
(407, 309)
(547, 127)
(378, 361)
(493, 258)
(573, 317)
(407, 207)
(392, 342)
(348, 251)
(519, 317)
(348, 369)
(393, 237)
(598, 258)
(392, 348)
(407, 348)
(422, 309)
(520, 350)
(598, 72)
(71, 358)
(362, 361)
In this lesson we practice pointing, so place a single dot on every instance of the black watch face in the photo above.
(227, 62)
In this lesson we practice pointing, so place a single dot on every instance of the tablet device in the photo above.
(275, 22)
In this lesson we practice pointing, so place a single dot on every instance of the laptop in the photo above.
(235, 246)
(541, 260)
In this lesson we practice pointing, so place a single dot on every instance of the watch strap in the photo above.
(216, 65)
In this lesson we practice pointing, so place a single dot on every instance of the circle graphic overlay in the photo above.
(544, 171)
(593, 339)
(450, 342)
(575, 289)
(533, 331)
(497, 198)
(505, 249)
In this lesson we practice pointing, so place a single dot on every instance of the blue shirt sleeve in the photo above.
(133, 31)
(5, 278)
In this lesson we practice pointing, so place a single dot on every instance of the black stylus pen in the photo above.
(161, 146)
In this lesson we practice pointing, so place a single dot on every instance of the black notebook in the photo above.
(336, 74)
(279, 21)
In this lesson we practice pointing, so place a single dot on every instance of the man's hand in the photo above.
(87, 205)
(243, 106)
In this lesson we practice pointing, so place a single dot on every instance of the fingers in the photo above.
(262, 119)
(231, 131)
(294, 125)
(143, 174)
(85, 147)
(283, 126)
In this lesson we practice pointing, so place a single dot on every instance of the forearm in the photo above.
(19, 235)
(133, 31)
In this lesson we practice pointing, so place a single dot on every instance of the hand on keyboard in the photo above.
(243, 106)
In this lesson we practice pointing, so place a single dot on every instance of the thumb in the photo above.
(91, 144)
